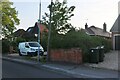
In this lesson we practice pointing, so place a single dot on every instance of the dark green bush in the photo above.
(78, 39)
(19, 39)
(44, 42)
(5, 46)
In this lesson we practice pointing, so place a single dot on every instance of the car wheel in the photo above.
(20, 53)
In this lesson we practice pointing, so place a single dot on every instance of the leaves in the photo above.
(61, 14)
(9, 18)
(71, 8)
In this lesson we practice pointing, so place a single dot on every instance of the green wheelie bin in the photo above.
(94, 55)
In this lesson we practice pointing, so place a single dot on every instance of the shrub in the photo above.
(5, 46)
(78, 39)
(44, 42)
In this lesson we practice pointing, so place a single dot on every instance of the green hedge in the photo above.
(44, 42)
(5, 46)
(79, 39)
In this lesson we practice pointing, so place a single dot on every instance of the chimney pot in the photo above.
(86, 26)
(104, 27)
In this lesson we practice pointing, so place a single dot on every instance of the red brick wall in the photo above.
(73, 55)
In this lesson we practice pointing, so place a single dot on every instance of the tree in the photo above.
(60, 16)
(9, 17)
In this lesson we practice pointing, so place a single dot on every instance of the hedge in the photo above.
(79, 39)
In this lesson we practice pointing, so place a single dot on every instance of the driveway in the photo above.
(110, 61)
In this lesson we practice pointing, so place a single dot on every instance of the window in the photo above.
(29, 30)
(34, 44)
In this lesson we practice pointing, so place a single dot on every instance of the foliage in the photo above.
(79, 39)
(19, 39)
(9, 17)
(5, 46)
(44, 41)
(60, 16)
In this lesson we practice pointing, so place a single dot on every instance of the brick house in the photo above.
(34, 30)
(31, 32)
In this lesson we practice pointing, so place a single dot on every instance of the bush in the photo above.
(44, 42)
(5, 46)
(19, 39)
(78, 39)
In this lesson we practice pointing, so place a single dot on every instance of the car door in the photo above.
(24, 49)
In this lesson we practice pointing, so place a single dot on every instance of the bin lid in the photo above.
(94, 48)
(102, 47)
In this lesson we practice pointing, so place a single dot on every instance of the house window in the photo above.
(29, 30)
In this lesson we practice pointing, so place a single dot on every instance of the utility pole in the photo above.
(39, 30)
(49, 34)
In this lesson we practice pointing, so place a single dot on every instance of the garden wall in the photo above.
(73, 55)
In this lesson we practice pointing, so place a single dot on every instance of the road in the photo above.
(17, 70)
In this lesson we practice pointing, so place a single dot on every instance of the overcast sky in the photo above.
(94, 12)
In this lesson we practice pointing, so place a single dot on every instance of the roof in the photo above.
(97, 31)
(89, 31)
(19, 32)
(34, 30)
(31, 31)
(116, 25)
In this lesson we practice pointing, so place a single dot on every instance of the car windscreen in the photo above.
(34, 45)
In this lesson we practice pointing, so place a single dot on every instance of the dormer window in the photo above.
(29, 30)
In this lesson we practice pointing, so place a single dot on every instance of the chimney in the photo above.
(104, 27)
(86, 26)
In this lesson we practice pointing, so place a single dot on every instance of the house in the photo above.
(34, 30)
(19, 33)
(95, 31)
(31, 32)
(116, 34)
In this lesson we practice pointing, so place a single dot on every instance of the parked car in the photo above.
(30, 48)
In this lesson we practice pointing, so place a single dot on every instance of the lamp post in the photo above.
(49, 34)
(39, 30)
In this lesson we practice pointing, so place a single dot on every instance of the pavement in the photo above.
(76, 70)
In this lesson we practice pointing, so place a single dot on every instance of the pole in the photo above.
(39, 31)
(49, 34)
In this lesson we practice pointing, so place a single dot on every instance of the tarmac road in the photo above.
(16, 70)
(13, 68)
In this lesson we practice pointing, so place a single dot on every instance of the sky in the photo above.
(92, 12)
